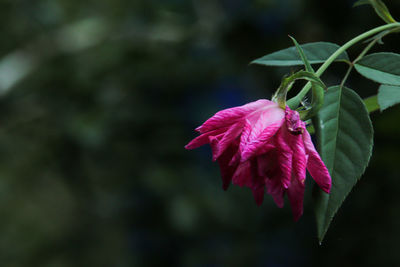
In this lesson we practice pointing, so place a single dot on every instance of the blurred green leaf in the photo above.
(388, 96)
(345, 136)
(380, 67)
(316, 53)
(380, 9)
(371, 103)
(361, 2)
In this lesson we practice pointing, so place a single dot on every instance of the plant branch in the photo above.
(295, 101)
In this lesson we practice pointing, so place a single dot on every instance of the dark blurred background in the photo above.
(98, 99)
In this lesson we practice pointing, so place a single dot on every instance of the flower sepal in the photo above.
(287, 84)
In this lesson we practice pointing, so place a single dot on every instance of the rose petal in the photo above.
(204, 138)
(258, 193)
(227, 117)
(296, 195)
(252, 148)
(258, 186)
(284, 156)
(299, 162)
(230, 135)
(242, 175)
(275, 189)
(258, 131)
(226, 169)
(316, 166)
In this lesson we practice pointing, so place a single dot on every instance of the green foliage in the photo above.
(287, 84)
(380, 9)
(361, 2)
(383, 67)
(316, 53)
(345, 137)
(302, 55)
(388, 96)
(317, 90)
(371, 103)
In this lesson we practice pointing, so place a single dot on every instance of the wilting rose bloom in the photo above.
(264, 147)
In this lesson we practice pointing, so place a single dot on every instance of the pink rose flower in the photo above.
(262, 146)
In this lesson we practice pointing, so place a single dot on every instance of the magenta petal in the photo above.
(265, 149)
(229, 136)
(252, 147)
(235, 159)
(204, 139)
(258, 193)
(247, 128)
(284, 157)
(258, 187)
(296, 194)
(242, 175)
(259, 130)
(275, 189)
(227, 117)
(316, 166)
(271, 117)
(299, 163)
(286, 168)
(227, 170)
(263, 165)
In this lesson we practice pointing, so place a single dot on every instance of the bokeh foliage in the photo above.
(98, 99)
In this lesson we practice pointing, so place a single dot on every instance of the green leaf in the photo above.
(317, 91)
(302, 55)
(371, 103)
(380, 9)
(381, 67)
(361, 2)
(345, 137)
(310, 129)
(388, 96)
(315, 52)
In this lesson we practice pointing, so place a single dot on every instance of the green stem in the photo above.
(346, 75)
(363, 53)
(295, 101)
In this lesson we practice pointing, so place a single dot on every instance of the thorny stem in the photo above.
(294, 102)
